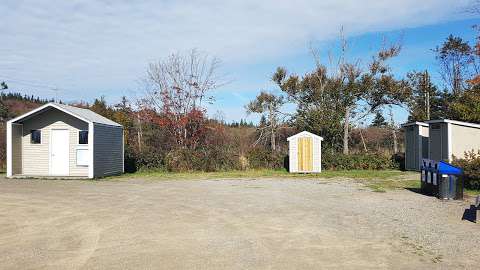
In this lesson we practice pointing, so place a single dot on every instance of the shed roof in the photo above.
(460, 123)
(80, 113)
(423, 124)
(303, 133)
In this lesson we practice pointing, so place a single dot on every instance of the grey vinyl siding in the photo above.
(108, 150)
(464, 139)
(411, 147)
(35, 157)
(416, 145)
(17, 149)
(445, 156)
(438, 146)
(435, 151)
(424, 134)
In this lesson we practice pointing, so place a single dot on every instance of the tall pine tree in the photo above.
(379, 120)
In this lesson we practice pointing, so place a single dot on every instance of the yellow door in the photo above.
(305, 154)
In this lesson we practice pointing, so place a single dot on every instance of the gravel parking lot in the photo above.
(229, 224)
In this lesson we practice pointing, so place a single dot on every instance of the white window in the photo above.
(82, 156)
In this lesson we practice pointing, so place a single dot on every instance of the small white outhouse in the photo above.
(63, 141)
(305, 153)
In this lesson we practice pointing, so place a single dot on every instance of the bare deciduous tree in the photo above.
(181, 82)
(178, 85)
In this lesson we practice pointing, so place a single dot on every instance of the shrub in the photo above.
(259, 158)
(149, 159)
(218, 158)
(181, 160)
(471, 168)
(399, 161)
(219, 150)
(356, 162)
(130, 161)
(206, 159)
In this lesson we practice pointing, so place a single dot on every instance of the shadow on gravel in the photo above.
(470, 214)
(419, 191)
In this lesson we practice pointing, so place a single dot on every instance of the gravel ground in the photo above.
(229, 224)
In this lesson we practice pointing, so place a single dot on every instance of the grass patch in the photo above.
(382, 185)
(351, 174)
(376, 180)
(472, 192)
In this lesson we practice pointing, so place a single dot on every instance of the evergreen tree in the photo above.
(3, 86)
(100, 106)
(379, 120)
(3, 108)
(467, 106)
(426, 102)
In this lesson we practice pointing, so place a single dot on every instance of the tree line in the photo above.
(167, 126)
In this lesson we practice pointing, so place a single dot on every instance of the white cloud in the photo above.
(105, 45)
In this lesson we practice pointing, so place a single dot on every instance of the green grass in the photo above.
(352, 174)
(376, 180)
(382, 185)
(472, 192)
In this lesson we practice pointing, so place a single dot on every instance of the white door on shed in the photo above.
(59, 152)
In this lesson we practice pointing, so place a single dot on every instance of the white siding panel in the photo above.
(293, 155)
(108, 150)
(35, 157)
(316, 155)
(464, 139)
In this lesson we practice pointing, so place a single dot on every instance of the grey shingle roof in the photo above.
(87, 115)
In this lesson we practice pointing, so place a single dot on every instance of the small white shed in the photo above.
(305, 153)
(63, 141)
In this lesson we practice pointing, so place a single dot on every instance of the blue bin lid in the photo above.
(447, 168)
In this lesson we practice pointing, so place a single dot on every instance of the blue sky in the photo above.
(91, 48)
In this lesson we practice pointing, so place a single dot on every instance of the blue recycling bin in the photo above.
(441, 179)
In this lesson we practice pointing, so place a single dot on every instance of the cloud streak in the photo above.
(91, 45)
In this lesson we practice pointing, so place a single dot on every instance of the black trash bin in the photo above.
(442, 180)
(450, 181)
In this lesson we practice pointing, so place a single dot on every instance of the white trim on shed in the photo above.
(316, 152)
(303, 133)
(460, 123)
(87, 117)
(423, 124)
